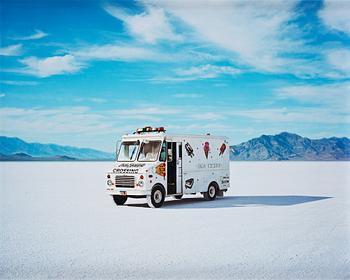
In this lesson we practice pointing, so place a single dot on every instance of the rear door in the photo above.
(179, 168)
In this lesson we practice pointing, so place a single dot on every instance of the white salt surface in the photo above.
(285, 220)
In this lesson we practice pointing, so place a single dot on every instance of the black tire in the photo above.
(157, 197)
(179, 196)
(119, 199)
(211, 193)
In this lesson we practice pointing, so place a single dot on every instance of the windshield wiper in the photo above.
(133, 152)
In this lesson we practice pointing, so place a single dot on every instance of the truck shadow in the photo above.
(237, 201)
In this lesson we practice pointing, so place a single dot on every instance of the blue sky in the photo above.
(85, 72)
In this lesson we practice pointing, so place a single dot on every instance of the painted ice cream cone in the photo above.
(222, 149)
(206, 149)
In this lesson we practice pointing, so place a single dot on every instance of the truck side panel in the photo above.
(204, 160)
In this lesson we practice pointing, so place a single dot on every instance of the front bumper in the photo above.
(111, 190)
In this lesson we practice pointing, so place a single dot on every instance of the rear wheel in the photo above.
(157, 197)
(211, 193)
(120, 199)
(179, 196)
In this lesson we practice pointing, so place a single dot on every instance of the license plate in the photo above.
(123, 193)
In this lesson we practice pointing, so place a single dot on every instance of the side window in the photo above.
(162, 156)
(170, 152)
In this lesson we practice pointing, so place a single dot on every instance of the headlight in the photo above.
(109, 183)
(140, 184)
(114, 170)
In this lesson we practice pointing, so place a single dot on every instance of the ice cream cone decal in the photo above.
(189, 149)
(206, 149)
(189, 183)
(222, 149)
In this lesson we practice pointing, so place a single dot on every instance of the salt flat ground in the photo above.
(285, 220)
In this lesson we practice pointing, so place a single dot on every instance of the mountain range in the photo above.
(13, 148)
(283, 146)
(289, 146)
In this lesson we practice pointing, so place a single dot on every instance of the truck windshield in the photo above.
(149, 150)
(128, 151)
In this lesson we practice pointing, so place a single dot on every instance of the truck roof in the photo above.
(161, 135)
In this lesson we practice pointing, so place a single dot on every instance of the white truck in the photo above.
(153, 164)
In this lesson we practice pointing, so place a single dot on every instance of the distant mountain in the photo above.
(289, 146)
(283, 146)
(13, 148)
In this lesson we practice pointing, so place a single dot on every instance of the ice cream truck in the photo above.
(153, 164)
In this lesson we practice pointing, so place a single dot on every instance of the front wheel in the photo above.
(120, 199)
(157, 197)
(211, 193)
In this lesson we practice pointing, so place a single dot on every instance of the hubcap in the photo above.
(211, 191)
(158, 196)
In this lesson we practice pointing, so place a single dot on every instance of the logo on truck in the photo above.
(160, 169)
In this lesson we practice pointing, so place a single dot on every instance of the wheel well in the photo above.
(160, 185)
(215, 184)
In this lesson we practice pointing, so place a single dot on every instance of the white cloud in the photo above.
(206, 116)
(336, 15)
(54, 65)
(150, 26)
(187, 95)
(65, 120)
(19, 83)
(207, 71)
(256, 33)
(12, 50)
(294, 115)
(339, 60)
(77, 120)
(91, 99)
(115, 52)
(146, 113)
(38, 34)
(331, 95)
(97, 100)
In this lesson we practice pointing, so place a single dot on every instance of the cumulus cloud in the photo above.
(259, 34)
(38, 34)
(336, 15)
(12, 50)
(54, 65)
(150, 26)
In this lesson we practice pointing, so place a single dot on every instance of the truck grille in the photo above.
(125, 181)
